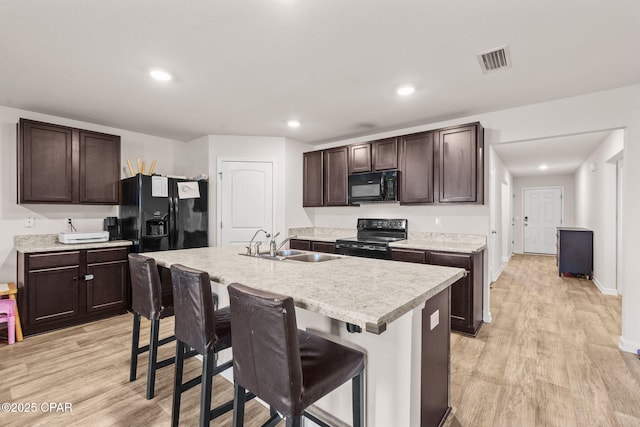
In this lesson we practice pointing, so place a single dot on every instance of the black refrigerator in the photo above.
(157, 215)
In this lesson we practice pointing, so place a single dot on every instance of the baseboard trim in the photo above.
(602, 289)
(497, 275)
(487, 317)
(628, 346)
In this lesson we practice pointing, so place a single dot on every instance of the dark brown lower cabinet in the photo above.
(466, 293)
(60, 289)
(325, 247)
(303, 245)
(312, 245)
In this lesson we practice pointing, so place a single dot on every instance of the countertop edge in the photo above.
(413, 244)
(59, 247)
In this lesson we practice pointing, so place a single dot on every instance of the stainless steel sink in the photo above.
(296, 256)
(289, 252)
(280, 255)
(314, 257)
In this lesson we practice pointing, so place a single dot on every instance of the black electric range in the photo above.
(373, 238)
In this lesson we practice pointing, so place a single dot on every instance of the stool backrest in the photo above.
(193, 308)
(146, 288)
(266, 354)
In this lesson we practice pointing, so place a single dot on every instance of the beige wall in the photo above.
(596, 207)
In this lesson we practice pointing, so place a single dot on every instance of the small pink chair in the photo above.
(7, 315)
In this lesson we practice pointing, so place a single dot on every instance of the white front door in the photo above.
(246, 200)
(542, 216)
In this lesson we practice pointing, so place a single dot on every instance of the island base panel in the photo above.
(436, 344)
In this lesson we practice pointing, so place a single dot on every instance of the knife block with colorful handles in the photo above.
(10, 290)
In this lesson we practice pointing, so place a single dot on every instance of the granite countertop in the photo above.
(366, 292)
(322, 234)
(49, 243)
(449, 242)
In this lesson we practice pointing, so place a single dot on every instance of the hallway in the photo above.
(550, 356)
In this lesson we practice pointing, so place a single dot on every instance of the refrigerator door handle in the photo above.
(172, 218)
(176, 215)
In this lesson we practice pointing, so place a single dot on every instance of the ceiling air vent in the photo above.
(495, 59)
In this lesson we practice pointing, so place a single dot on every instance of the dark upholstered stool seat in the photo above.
(287, 368)
(325, 366)
(222, 318)
(146, 301)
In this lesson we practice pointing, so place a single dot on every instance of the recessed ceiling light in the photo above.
(293, 124)
(161, 75)
(405, 90)
(543, 167)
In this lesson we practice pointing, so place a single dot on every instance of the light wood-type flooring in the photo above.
(549, 357)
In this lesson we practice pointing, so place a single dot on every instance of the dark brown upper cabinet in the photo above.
(64, 165)
(443, 166)
(312, 180)
(460, 164)
(336, 166)
(99, 168)
(360, 158)
(373, 156)
(45, 168)
(416, 168)
(385, 154)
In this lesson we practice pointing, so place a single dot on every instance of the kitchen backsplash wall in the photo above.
(452, 219)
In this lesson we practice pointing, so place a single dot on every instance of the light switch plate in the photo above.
(435, 319)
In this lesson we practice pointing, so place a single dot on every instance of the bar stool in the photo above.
(11, 291)
(7, 315)
(207, 331)
(288, 368)
(146, 300)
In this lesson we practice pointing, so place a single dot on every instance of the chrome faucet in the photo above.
(272, 245)
(285, 241)
(250, 247)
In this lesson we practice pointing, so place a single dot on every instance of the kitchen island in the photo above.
(402, 308)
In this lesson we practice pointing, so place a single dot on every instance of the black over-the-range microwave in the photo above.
(373, 187)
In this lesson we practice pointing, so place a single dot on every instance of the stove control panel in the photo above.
(382, 224)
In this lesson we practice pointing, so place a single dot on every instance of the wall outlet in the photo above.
(439, 221)
(30, 222)
(434, 320)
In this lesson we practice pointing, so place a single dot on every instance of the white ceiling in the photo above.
(246, 67)
(562, 155)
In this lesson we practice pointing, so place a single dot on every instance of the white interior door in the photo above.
(542, 215)
(246, 200)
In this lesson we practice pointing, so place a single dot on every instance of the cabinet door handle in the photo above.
(88, 277)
